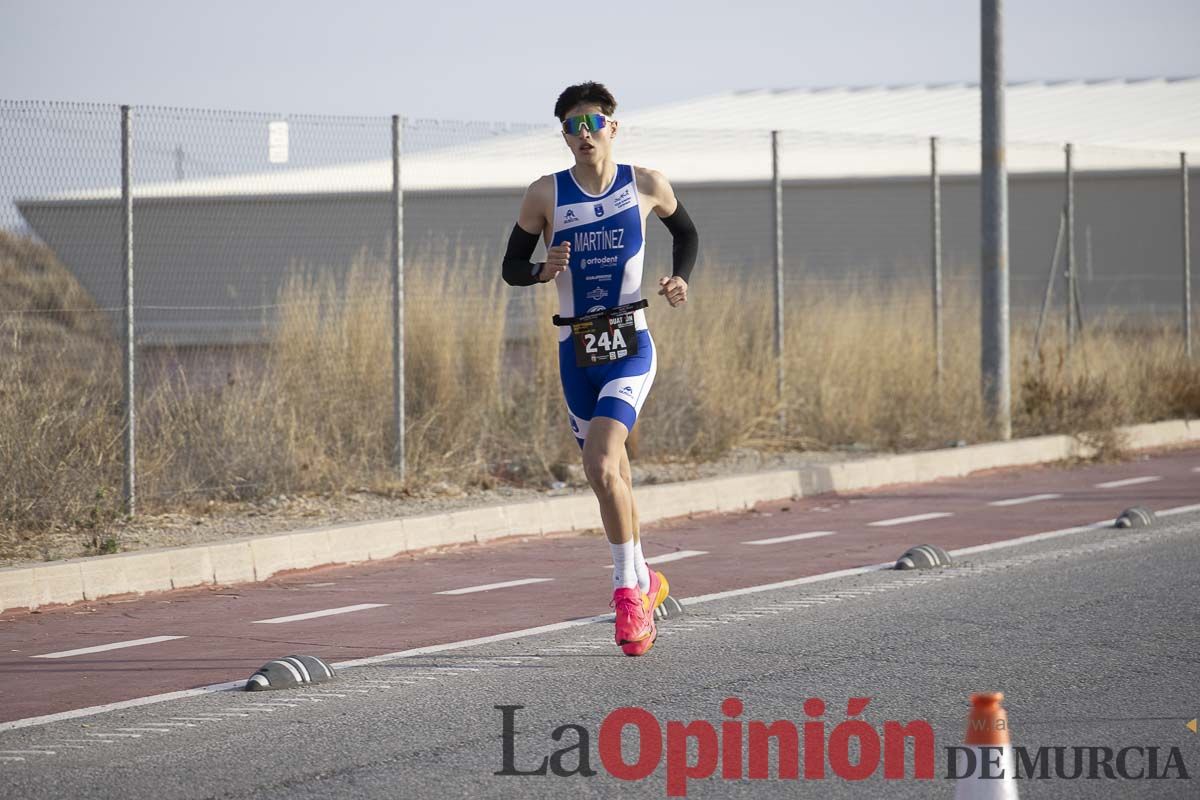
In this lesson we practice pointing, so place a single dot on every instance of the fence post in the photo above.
(993, 318)
(1072, 322)
(397, 264)
(127, 328)
(777, 191)
(1187, 258)
(1050, 278)
(935, 191)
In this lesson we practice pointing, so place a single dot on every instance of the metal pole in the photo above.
(1072, 322)
(127, 329)
(777, 190)
(397, 262)
(1187, 258)
(1087, 252)
(1079, 317)
(994, 326)
(935, 191)
(1037, 337)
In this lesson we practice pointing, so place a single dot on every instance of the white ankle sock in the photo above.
(643, 572)
(624, 565)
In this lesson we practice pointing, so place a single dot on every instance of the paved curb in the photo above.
(258, 558)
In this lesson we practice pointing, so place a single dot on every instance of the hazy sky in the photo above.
(508, 61)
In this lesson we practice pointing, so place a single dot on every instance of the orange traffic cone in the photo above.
(985, 768)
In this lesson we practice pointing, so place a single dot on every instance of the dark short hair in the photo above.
(591, 93)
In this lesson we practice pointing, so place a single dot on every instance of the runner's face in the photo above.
(591, 147)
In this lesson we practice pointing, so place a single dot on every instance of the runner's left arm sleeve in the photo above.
(685, 242)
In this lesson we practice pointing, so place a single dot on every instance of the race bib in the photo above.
(603, 339)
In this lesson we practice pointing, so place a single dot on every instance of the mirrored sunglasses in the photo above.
(593, 122)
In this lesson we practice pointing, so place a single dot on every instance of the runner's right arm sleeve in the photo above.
(518, 270)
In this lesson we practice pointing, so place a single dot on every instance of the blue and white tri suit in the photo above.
(607, 237)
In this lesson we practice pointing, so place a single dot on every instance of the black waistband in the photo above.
(608, 312)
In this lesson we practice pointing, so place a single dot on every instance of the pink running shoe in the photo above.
(635, 621)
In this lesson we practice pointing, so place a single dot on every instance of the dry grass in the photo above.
(60, 390)
(311, 412)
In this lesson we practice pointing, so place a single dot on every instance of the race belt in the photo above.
(604, 336)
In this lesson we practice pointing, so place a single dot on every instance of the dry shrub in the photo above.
(60, 390)
(862, 368)
(313, 412)
(1178, 392)
(1055, 400)
(60, 436)
(715, 386)
(531, 438)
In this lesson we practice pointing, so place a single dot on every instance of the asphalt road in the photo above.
(123, 649)
(1093, 637)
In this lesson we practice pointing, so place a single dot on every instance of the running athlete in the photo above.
(592, 218)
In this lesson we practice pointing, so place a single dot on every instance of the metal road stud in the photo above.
(288, 673)
(1191, 725)
(670, 609)
(1136, 517)
(924, 556)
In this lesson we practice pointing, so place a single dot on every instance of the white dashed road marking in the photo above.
(329, 612)
(111, 735)
(1178, 510)
(672, 557)
(1128, 482)
(489, 586)
(1016, 501)
(795, 537)
(914, 518)
(676, 556)
(100, 648)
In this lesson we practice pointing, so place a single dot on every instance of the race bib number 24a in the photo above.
(604, 339)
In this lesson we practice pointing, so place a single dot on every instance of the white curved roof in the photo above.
(1149, 114)
(830, 133)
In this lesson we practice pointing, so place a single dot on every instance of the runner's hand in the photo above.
(675, 290)
(557, 260)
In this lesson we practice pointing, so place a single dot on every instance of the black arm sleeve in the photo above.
(685, 242)
(518, 271)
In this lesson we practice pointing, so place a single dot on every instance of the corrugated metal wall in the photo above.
(209, 271)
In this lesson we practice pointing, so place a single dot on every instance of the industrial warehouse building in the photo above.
(211, 254)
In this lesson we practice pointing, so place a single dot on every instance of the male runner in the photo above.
(592, 218)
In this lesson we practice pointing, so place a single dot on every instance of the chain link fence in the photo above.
(266, 314)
